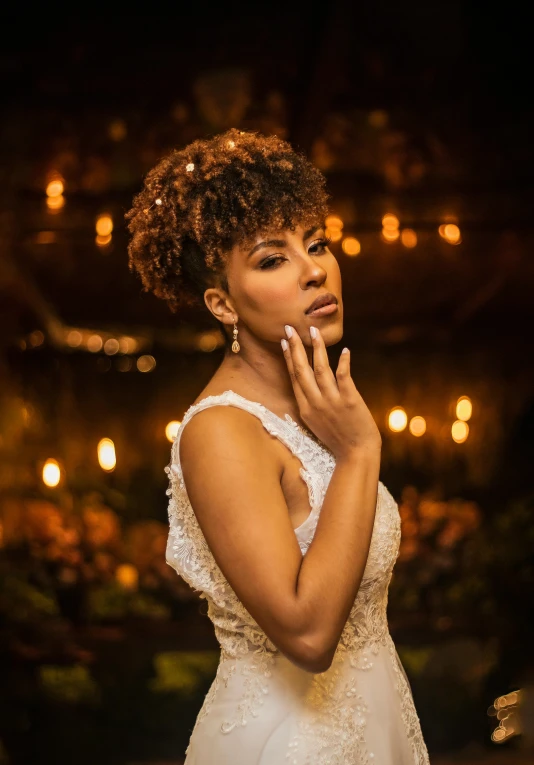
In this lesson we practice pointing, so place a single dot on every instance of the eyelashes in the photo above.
(321, 243)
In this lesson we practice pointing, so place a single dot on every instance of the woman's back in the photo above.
(262, 708)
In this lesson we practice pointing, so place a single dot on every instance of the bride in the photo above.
(277, 515)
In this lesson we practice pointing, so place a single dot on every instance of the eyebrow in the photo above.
(282, 242)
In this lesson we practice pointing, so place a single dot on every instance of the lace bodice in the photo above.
(240, 636)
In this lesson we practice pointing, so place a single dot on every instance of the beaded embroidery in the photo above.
(331, 726)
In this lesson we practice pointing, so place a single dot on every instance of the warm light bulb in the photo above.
(55, 203)
(409, 238)
(459, 431)
(106, 454)
(335, 234)
(390, 221)
(351, 246)
(397, 419)
(171, 429)
(417, 426)
(55, 188)
(146, 363)
(390, 234)
(104, 225)
(51, 473)
(333, 221)
(464, 408)
(450, 232)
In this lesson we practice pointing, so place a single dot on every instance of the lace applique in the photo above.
(331, 728)
(188, 553)
(409, 715)
(334, 715)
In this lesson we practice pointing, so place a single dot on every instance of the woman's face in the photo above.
(274, 280)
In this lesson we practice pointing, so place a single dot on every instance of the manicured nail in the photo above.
(313, 332)
(289, 331)
(285, 344)
(345, 350)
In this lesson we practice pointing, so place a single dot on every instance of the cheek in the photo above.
(269, 295)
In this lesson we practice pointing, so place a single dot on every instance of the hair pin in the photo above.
(157, 202)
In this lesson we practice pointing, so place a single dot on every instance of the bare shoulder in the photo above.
(225, 431)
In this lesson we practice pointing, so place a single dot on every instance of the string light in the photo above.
(408, 238)
(146, 363)
(459, 431)
(171, 430)
(106, 454)
(397, 419)
(450, 232)
(390, 228)
(334, 227)
(417, 426)
(51, 473)
(351, 246)
(464, 408)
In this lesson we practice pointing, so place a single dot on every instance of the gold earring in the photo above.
(235, 345)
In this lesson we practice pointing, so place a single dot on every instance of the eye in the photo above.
(269, 263)
(321, 245)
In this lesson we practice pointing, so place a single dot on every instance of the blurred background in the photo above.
(421, 117)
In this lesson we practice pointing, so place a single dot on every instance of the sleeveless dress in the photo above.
(262, 709)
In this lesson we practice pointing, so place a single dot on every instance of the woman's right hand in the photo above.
(331, 406)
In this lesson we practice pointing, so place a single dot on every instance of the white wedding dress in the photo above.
(262, 709)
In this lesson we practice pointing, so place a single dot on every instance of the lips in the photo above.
(321, 301)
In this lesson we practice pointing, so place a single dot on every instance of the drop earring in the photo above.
(235, 345)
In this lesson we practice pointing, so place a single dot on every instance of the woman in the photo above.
(279, 519)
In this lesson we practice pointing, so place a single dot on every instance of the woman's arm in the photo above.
(233, 479)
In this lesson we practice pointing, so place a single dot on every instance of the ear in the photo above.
(218, 303)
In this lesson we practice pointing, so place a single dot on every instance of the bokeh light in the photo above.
(351, 246)
(127, 576)
(417, 426)
(94, 343)
(74, 338)
(111, 346)
(106, 454)
(397, 419)
(171, 429)
(464, 408)
(55, 188)
(459, 431)
(146, 363)
(51, 473)
(408, 238)
(104, 225)
(390, 221)
(450, 232)
(390, 234)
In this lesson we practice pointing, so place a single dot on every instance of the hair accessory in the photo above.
(190, 167)
(157, 202)
(235, 345)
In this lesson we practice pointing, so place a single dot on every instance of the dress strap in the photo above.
(313, 457)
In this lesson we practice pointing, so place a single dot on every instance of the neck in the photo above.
(261, 371)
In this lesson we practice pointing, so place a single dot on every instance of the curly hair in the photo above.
(200, 201)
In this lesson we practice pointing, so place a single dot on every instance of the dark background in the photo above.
(422, 110)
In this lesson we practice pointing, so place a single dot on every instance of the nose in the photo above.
(313, 273)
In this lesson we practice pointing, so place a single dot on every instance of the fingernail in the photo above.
(345, 350)
(289, 331)
(285, 344)
(313, 332)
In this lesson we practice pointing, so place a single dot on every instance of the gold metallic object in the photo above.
(235, 345)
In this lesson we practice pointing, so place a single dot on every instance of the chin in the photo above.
(331, 332)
